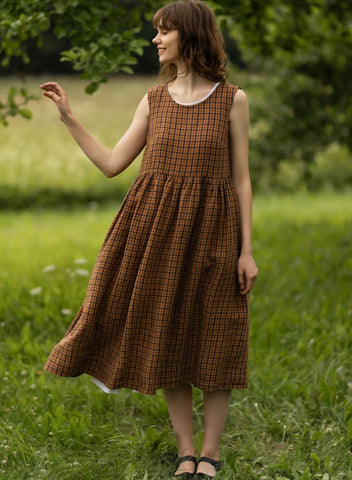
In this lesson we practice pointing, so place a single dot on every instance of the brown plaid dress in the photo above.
(163, 307)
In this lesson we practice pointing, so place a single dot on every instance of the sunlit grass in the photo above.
(40, 163)
(293, 422)
(295, 419)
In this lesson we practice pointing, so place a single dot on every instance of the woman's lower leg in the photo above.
(179, 403)
(216, 406)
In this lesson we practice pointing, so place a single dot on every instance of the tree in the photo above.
(307, 43)
(103, 36)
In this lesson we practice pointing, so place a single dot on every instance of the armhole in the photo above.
(235, 90)
(153, 96)
(149, 95)
(232, 93)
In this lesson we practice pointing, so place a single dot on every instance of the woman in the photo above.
(167, 303)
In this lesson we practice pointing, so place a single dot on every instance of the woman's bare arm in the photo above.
(110, 162)
(239, 136)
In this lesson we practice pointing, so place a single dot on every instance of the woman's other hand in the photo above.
(57, 94)
(247, 273)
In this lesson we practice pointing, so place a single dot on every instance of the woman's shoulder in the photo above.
(235, 92)
(231, 87)
(156, 90)
(231, 93)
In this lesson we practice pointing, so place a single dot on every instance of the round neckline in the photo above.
(198, 101)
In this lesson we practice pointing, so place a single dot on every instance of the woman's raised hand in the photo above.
(58, 95)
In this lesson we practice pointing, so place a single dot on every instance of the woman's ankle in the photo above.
(210, 453)
(187, 450)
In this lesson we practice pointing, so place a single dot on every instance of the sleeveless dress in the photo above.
(163, 306)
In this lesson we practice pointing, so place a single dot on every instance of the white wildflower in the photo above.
(80, 261)
(81, 272)
(49, 268)
(66, 311)
(35, 291)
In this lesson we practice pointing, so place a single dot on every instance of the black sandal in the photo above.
(186, 475)
(215, 463)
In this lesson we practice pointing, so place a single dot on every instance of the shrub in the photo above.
(332, 168)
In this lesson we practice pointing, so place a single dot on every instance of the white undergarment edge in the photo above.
(105, 388)
(199, 101)
(109, 390)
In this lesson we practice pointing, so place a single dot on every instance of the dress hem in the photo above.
(152, 391)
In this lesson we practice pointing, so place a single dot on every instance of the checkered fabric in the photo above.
(163, 307)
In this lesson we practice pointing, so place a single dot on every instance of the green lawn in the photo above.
(295, 419)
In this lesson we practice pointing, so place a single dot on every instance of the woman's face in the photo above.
(167, 44)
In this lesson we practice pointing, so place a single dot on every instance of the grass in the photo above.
(295, 419)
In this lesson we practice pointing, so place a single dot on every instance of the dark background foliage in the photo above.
(302, 49)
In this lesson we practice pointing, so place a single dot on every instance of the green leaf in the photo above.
(12, 93)
(25, 113)
(126, 69)
(91, 88)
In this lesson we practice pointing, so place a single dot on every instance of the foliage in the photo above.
(12, 108)
(332, 168)
(293, 422)
(305, 46)
(308, 45)
(103, 35)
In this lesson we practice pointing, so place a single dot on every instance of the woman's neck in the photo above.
(190, 82)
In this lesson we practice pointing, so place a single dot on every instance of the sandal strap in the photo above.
(215, 463)
(186, 458)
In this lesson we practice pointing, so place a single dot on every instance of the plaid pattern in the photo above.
(163, 306)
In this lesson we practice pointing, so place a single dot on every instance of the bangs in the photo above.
(166, 18)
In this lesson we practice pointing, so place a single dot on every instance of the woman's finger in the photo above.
(241, 279)
(53, 86)
(51, 95)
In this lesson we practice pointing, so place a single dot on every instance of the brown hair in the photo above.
(201, 44)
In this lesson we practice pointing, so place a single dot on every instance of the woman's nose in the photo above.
(156, 39)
